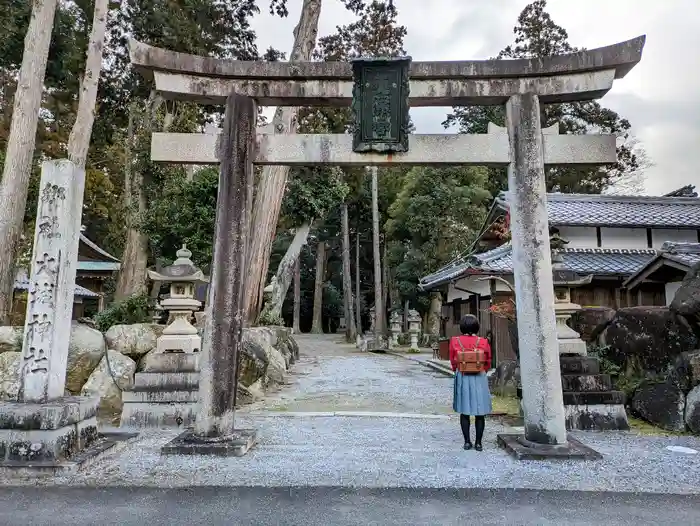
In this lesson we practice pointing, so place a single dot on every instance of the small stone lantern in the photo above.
(180, 335)
(414, 328)
(569, 340)
(395, 327)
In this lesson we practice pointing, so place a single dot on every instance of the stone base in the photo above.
(50, 436)
(159, 409)
(597, 417)
(579, 364)
(179, 344)
(164, 395)
(235, 445)
(521, 449)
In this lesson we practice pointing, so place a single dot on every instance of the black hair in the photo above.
(469, 324)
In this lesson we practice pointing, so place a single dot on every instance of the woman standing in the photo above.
(471, 390)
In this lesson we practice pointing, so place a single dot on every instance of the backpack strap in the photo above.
(476, 345)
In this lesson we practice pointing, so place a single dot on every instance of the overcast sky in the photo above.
(659, 97)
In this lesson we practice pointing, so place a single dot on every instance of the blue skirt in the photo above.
(471, 394)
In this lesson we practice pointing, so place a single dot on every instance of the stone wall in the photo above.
(268, 352)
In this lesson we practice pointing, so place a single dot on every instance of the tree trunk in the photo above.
(351, 329)
(297, 296)
(132, 275)
(317, 325)
(272, 313)
(79, 140)
(433, 327)
(20, 144)
(358, 300)
(378, 301)
(385, 283)
(273, 180)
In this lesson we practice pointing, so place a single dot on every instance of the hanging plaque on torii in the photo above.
(380, 104)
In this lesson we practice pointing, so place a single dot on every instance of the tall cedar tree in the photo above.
(537, 35)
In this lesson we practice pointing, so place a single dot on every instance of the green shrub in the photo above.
(135, 309)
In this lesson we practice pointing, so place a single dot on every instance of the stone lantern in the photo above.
(180, 335)
(569, 340)
(395, 327)
(414, 328)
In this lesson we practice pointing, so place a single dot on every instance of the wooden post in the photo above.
(224, 311)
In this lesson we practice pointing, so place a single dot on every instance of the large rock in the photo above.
(253, 362)
(11, 339)
(685, 372)
(9, 375)
(589, 322)
(86, 349)
(692, 410)
(686, 302)
(108, 381)
(661, 404)
(133, 340)
(266, 338)
(650, 337)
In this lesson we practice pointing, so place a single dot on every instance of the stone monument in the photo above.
(395, 327)
(414, 328)
(164, 393)
(45, 428)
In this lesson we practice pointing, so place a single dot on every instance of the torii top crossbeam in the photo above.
(584, 75)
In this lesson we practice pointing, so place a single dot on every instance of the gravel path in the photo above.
(421, 448)
(331, 376)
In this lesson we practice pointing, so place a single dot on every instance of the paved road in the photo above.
(336, 507)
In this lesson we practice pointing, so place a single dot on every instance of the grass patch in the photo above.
(506, 404)
(645, 428)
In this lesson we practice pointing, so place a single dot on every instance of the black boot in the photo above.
(480, 422)
(465, 422)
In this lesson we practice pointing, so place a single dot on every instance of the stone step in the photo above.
(586, 382)
(170, 363)
(160, 396)
(590, 398)
(166, 381)
(579, 365)
(596, 417)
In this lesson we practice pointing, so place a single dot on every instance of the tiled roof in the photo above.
(620, 211)
(98, 266)
(685, 253)
(597, 261)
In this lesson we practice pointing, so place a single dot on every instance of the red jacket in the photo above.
(469, 343)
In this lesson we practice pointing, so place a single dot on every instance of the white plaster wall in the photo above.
(471, 283)
(623, 237)
(579, 236)
(671, 289)
(660, 235)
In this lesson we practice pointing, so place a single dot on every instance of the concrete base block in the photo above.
(234, 445)
(522, 449)
(45, 435)
(597, 417)
(572, 346)
(105, 444)
(158, 409)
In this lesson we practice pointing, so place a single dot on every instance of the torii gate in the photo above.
(393, 85)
